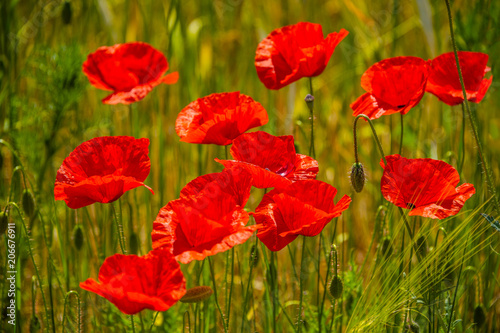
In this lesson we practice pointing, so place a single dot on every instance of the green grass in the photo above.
(47, 108)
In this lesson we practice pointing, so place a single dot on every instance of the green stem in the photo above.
(310, 105)
(231, 285)
(301, 284)
(462, 142)
(119, 229)
(401, 140)
(274, 284)
(215, 295)
(30, 251)
(484, 161)
(66, 298)
(154, 320)
(456, 289)
(252, 260)
(375, 136)
(333, 316)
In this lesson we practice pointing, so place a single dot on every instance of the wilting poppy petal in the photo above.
(101, 170)
(207, 219)
(131, 70)
(219, 118)
(293, 52)
(393, 85)
(426, 186)
(444, 81)
(271, 160)
(153, 281)
(302, 208)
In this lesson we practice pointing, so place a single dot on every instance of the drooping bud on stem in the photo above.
(358, 177)
(66, 12)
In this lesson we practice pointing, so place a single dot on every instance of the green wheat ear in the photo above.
(197, 294)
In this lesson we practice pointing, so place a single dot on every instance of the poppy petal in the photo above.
(131, 70)
(133, 283)
(293, 52)
(444, 81)
(426, 186)
(101, 170)
(302, 208)
(208, 217)
(219, 118)
(393, 85)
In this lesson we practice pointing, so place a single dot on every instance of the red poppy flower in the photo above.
(444, 81)
(207, 219)
(293, 52)
(101, 170)
(133, 283)
(302, 208)
(219, 118)
(271, 160)
(393, 85)
(131, 70)
(426, 186)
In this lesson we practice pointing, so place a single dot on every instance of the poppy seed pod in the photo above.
(4, 221)
(336, 287)
(28, 203)
(358, 177)
(479, 316)
(78, 237)
(66, 12)
(197, 294)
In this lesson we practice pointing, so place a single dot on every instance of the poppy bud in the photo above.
(134, 243)
(4, 221)
(254, 256)
(28, 203)
(357, 177)
(66, 12)
(421, 246)
(479, 316)
(197, 294)
(78, 237)
(336, 287)
(35, 324)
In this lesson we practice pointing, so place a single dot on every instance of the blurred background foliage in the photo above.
(47, 106)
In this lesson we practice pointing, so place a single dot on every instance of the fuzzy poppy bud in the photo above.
(358, 177)
(4, 221)
(254, 256)
(28, 203)
(197, 294)
(134, 243)
(66, 12)
(336, 287)
(479, 316)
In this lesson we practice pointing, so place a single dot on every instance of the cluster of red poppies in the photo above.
(398, 84)
(209, 215)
